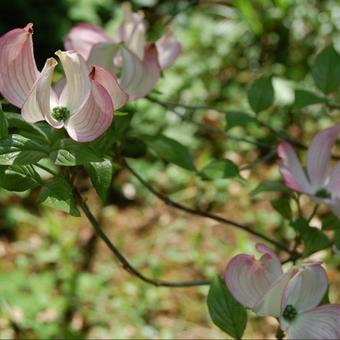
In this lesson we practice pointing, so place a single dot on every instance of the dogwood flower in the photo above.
(141, 62)
(291, 296)
(321, 183)
(83, 104)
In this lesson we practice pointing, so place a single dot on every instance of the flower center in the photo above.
(289, 313)
(60, 113)
(323, 193)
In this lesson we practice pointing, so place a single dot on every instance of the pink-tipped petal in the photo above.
(270, 302)
(102, 54)
(18, 71)
(110, 83)
(168, 49)
(142, 84)
(78, 85)
(248, 279)
(306, 289)
(319, 323)
(83, 37)
(318, 155)
(132, 30)
(291, 169)
(37, 104)
(94, 118)
(132, 70)
(334, 181)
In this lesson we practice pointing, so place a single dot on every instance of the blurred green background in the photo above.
(56, 279)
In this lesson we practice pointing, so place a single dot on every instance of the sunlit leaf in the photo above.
(225, 311)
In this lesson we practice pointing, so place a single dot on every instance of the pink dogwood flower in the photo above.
(83, 104)
(321, 182)
(291, 296)
(141, 62)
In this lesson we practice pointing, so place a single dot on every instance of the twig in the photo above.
(277, 133)
(171, 107)
(123, 260)
(217, 218)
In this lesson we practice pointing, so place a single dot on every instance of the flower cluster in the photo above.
(141, 63)
(292, 296)
(84, 101)
(322, 183)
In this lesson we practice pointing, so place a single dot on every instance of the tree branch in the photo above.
(123, 260)
(172, 108)
(192, 211)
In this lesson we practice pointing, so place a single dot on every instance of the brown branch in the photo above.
(281, 135)
(192, 211)
(172, 108)
(124, 261)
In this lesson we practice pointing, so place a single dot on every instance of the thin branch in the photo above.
(171, 107)
(217, 218)
(123, 260)
(279, 134)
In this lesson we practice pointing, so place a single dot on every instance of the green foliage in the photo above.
(305, 98)
(220, 168)
(282, 206)
(225, 311)
(337, 238)
(19, 150)
(57, 194)
(101, 176)
(19, 177)
(261, 94)
(172, 151)
(313, 238)
(270, 186)
(3, 125)
(238, 118)
(69, 153)
(326, 70)
(330, 222)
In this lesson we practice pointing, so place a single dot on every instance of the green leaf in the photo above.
(133, 147)
(337, 238)
(326, 70)
(282, 206)
(3, 125)
(325, 300)
(58, 194)
(261, 94)
(19, 177)
(313, 238)
(15, 121)
(19, 150)
(217, 169)
(305, 98)
(238, 118)
(225, 311)
(270, 186)
(69, 153)
(101, 176)
(172, 151)
(330, 222)
(121, 124)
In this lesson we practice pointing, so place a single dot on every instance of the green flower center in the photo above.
(60, 113)
(289, 313)
(323, 193)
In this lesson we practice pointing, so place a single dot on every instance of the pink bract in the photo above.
(82, 104)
